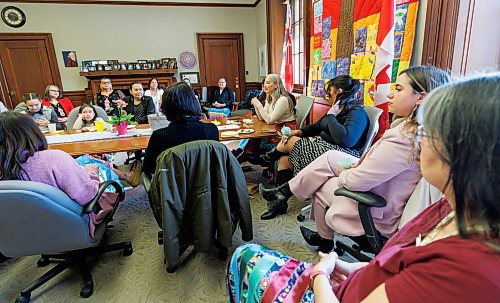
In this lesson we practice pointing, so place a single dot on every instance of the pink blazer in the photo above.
(389, 169)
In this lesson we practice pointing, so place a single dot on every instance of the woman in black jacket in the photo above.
(183, 110)
(139, 105)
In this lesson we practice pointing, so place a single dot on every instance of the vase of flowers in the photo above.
(123, 120)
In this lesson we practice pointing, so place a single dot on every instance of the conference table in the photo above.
(229, 129)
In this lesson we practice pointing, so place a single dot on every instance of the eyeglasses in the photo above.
(54, 90)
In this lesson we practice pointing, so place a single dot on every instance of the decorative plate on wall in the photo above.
(13, 16)
(187, 60)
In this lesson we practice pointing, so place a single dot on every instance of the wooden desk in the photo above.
(103, 146)
(137, 143)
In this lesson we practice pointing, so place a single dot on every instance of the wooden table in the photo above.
(103, 146)
(261, 129)
(141, 142)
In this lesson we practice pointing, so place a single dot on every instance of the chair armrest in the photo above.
(89, 207)
(236, 105)
(368, 198)
(146, 181)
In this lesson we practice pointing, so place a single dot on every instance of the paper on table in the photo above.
(228, 127)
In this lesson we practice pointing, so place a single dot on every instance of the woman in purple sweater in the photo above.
(24, 156)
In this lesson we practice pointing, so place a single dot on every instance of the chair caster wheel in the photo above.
(43, 261)
(87, 290)
(171, 269)
(23, 299)
(301, 218)
(160, 237)
(128, 251)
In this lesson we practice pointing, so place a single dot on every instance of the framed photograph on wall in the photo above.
(194, 77)
(263, 60)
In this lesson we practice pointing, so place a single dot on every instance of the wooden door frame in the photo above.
(51, 54)
(241, 57)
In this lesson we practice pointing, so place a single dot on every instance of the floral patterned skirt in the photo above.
(259, 274)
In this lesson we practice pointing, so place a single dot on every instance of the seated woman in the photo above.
(108, 98)
(389, 169)
(139, 105)
(448, 253)
(155, 92)
(279, 111)
(222, 100)
(24, 156)
(182, 109)
(343, 128)
(61, 105)
(41, 114)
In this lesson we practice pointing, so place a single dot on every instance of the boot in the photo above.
(279, 194)
(272, 156)
(283, 176)
(256, 160)
(279, 209)
(314, 239)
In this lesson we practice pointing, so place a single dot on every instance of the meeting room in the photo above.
(250, 151)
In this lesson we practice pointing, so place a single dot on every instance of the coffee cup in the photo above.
(52, 127)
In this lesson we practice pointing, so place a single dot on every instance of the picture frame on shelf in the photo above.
(100, 67)
(92, 69)
(108, 67)
(116, 67)
(131, 66)
(112, 62)
(193, 77)
(142, 61)
(86, 66)
(123, 66)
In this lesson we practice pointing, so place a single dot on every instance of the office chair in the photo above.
(73, 115)
(198, 195)
(36, 218)
(372, 242)
(373, 114)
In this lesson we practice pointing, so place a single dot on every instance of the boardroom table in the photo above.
(138, 142)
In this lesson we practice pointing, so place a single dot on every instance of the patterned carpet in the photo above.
(142, 277)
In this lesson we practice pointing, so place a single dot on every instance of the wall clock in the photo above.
(13, 16)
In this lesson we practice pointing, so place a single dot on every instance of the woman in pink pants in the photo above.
(390, 169)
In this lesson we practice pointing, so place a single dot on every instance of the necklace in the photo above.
(434, 232)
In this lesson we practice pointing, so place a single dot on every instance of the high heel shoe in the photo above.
(314, 239)
(273, 213)
(279, 194)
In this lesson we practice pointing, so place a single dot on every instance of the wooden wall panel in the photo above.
(275, 12)
(77, 97)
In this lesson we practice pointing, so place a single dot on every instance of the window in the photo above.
(298, 36)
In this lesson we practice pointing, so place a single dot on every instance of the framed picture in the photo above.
(86, 66)
(142, 61)
(131, 66)
(263, 60)
(193, 77)
(116, 66)
(69, 58)
(100, 67)
(172, 63)
(108, 67)
(92, 69)
(111, 62)
(123, 66)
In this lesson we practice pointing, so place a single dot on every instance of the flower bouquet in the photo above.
(123, 120)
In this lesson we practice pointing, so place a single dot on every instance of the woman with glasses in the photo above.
(389, 169)
(55, 100)
(448, 253)
(108, 98)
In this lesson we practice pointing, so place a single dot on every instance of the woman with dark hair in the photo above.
(138, 104)
(108, 98)
(389, 169)
(183, 110)
(344, 127)
(154, 91)
(55, 100)
(24, 155)
(448, 253)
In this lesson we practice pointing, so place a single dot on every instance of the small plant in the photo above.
(123, 116)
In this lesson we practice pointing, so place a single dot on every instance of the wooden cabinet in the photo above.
(121, 79)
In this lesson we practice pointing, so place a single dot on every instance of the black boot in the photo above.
(256, 160)
(314, 239)
(283, 176)
(279, 209)
(272, 156)
(279, 194)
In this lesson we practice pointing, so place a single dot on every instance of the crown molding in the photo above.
(137, 3)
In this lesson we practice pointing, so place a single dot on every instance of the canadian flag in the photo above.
(286, 72)
(383, 62)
